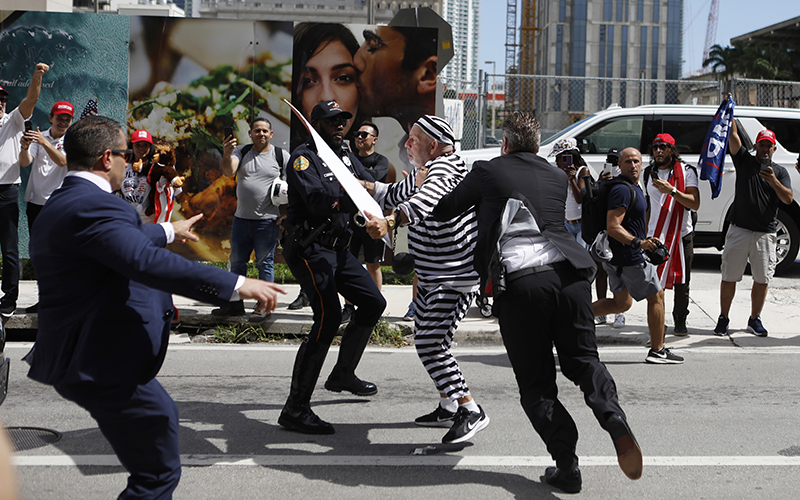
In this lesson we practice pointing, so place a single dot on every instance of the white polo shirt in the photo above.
(46, 175)
(12, 126)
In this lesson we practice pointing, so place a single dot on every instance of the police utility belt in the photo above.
(297, 239)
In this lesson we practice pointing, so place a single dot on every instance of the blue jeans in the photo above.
(575, 231)
(259, 235)
(9, 225)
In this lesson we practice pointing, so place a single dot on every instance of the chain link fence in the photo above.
(769, 93)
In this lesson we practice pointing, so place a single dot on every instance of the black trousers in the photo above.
(324, 274)
(680, 307)
(536, 312)
(141, 424)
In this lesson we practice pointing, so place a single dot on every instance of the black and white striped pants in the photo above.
(439, 312)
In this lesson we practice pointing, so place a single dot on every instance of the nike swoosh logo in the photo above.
(471, 426)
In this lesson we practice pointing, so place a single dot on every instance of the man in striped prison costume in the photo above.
(443, 262)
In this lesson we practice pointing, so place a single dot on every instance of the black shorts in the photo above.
(373, 249)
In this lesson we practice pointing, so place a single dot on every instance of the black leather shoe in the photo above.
(234, 309)
(300, 302)
(355, 385)
(629, 455)
(568, 482)
(304, 420)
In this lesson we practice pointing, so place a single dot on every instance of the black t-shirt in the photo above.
(755, 206)
(620, 196)
(376, 164)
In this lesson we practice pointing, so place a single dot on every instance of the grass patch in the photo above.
(284, 276)
(243, 333)
(388, 335)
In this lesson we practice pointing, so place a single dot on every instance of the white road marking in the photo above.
(407, 461)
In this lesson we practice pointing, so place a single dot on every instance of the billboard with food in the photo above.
(189, 80)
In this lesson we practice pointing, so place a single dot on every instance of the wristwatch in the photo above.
(391, 222)
(672, 193)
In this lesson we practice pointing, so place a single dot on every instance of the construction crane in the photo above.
(527, 54)
(711, 30)
(510, 102)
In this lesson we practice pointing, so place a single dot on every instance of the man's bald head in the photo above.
(630, 163)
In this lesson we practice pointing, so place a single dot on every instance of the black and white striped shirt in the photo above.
(442, 251)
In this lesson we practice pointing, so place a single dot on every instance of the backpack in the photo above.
(594, 207)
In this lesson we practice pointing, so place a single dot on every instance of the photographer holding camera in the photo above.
(630, 276)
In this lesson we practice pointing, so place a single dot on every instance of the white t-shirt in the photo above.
(46, 176)
(12, 126)
(657, 198)
(135, 190)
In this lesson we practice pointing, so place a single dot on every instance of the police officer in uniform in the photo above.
(315, 246)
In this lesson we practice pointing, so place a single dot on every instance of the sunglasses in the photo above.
(4, 99)
(660, 145)
(336, 122)
(125, 153)
(363, 135)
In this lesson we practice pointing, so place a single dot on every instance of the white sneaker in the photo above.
(619, 321)
(600, 320)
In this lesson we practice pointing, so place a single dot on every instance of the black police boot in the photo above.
(343, 377)
(297, 414)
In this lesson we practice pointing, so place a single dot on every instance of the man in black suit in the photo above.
(540, 278)
(105, 305)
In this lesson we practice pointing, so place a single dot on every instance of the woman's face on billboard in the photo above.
(330, 75)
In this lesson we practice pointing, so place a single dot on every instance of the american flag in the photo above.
(90, 109)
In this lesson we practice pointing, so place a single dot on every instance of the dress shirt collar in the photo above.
(93, 178)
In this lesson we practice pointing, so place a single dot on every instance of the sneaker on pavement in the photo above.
(412, 310)
(680, 329)
(347, 313)
(755, 327)
(619, 321)
(722, 326)
(663, 357)
(600, 320)
(7, 309)
(465, 425)
(437, 418)
(300, 302)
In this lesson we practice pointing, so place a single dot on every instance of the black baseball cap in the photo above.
(328, 109)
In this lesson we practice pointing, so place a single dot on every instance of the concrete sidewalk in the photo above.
(780, 315)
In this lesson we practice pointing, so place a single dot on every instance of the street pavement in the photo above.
(723, 425)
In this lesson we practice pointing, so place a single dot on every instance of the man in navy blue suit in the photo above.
(105, 285)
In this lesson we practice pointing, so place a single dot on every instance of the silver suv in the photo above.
(636, 127)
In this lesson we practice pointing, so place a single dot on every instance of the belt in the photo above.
(576, 221)
(536, 270)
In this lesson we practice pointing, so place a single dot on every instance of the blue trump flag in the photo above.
(712, 158)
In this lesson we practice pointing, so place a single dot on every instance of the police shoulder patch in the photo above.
(300, 163)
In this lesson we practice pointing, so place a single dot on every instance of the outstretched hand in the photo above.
(183, 229)
(264, 292)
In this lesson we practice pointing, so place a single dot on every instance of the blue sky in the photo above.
(736, 17)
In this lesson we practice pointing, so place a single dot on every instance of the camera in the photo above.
(227, 132)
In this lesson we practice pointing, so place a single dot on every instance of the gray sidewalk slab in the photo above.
(781, 315)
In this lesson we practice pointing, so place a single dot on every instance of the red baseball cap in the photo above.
(141, 135)
(664, 138)
(766, 134)
(4, 92)
(62, 108)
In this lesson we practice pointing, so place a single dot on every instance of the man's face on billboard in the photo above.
(378, 61)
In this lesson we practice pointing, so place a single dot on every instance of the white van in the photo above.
(636, 127)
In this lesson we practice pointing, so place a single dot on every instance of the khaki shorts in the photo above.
(742, 245)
